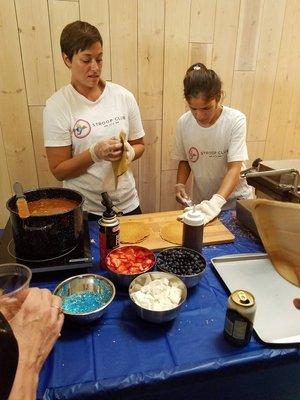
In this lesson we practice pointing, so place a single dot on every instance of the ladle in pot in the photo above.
(21, 202)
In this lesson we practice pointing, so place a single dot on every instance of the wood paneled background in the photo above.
(254, 45)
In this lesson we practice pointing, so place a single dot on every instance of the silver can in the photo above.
(239, 318)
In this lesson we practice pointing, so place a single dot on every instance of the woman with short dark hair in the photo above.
(83, 122)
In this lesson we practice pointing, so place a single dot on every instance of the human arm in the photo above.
(135, 149)
(10, 305)
(183, 172)
(179, 153)
(212, 208)
(231, 179)
(64, 166)
(237, 153)
(63, 163)
(36, 326)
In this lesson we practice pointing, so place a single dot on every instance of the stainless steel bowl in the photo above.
(157, 316)
(123, 279)
(85, 283)
(14, 278)
(190, 280)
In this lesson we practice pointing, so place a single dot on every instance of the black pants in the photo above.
(95, 217)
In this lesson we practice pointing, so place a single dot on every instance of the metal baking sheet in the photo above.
(276, 321)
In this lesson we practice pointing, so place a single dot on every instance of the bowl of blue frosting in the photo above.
(86, 297)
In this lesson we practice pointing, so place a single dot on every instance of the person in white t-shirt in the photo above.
(210, 143)
(82, 122)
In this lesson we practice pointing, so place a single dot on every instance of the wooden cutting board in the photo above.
(214, 232)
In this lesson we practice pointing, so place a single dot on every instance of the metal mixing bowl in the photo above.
(14, 278)
(191, 279)
(123, 279)
(151, 315)
(81, 284)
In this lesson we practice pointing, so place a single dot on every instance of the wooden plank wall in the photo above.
(254, 45)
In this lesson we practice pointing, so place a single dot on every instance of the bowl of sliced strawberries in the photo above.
(127, 262)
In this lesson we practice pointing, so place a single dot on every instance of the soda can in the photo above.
(109, 235)
(239, 317)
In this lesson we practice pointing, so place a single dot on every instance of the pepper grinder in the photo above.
(193, 224)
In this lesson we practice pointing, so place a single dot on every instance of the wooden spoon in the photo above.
(21, 202)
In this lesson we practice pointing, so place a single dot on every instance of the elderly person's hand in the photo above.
(36, 326)
(10, 305)
(109, 150)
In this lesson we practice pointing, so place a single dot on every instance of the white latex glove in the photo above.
(109, 150)
(211, 208)
(130, 153)
(180, 193)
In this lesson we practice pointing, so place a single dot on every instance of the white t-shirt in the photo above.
(208, 150)
(72, 119)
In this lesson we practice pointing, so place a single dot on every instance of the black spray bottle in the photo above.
(109, 229)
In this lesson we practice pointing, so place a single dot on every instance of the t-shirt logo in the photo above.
(193, 154)
(81, 128)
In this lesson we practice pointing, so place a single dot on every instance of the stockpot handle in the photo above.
(37, 228)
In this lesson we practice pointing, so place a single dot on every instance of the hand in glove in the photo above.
(180, 193)
(109, 150)
(211, 208)
(130, 153)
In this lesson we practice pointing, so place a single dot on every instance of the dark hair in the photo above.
(200, 81)
(78, 36)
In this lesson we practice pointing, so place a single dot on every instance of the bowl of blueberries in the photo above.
(187, 264)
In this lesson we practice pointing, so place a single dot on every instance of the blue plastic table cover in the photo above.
(120, 356)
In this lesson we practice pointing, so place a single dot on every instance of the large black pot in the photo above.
(47, 236)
